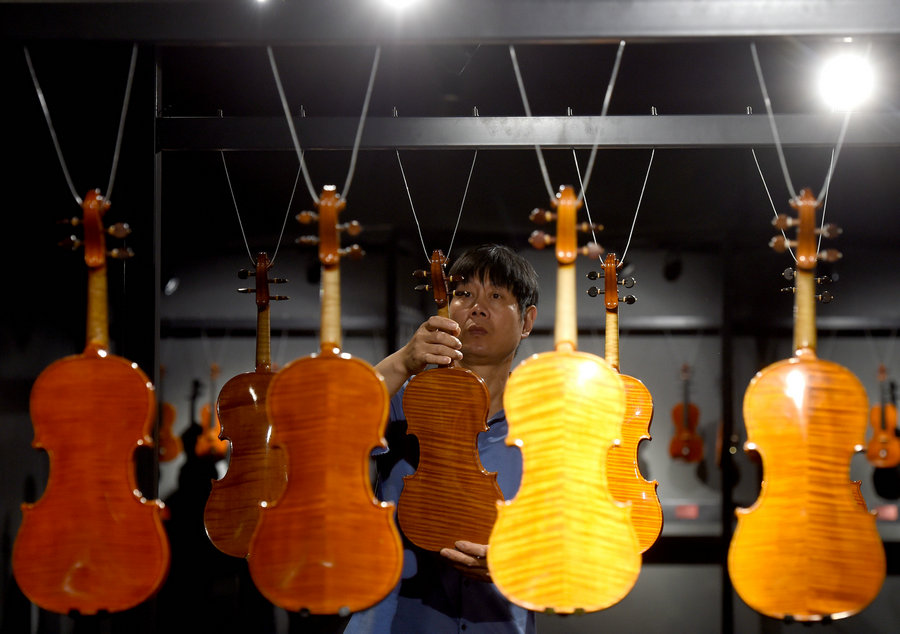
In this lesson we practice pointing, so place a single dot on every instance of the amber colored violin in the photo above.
(169, 444)
(884, 445)
(686, 443)
(327, 545)
(92, 542)
(257, 471)
(450, 496)
(564, 543)
(209, 442)
(626, 482)
(807, 549)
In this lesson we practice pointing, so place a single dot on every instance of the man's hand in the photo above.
(434, 342)
(469, 558)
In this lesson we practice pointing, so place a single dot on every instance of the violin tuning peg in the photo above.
(824, 279)
(829, 230)
(307, 217)
(354, 252)
(789, 289)
(121, 254)
(592, 250)
(73, 221)
(243, 274)
(781, 244)
(825, 297)
(540, 239)
(278, 298)
(627, 282)
(246, 290)
(593, 275)
(593, 291)
(830, 255)
(628, 299)
(277, 280)
(788, 274)
(422, 287)
(541, 216)
(456, 279)
(70, 242)
(352, 228)
(307, 240)
(420, 273)
(784, 221)
(119, 230)
(587, 227)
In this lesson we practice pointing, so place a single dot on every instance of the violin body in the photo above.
(626, 482)
(91, 542)
(450, 496)
(170, 445)
(257, 470)
(806, 548)
(686, 443)
(563, 543)
(326, 544)
(883, 450)
(209, 442)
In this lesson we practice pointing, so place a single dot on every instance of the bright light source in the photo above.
(846, 81)
(399, 4)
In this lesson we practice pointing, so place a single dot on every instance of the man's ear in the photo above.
(528, 320)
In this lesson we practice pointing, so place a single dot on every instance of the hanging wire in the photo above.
(59, 154)
(889, 353)
(771, 202)
(771, 119)
(638, 208)
(296, 139)
(537, 147)
(362, 122)
(413, 208)
(290, 122)
(241, 224)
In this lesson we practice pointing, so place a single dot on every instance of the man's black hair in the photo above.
(502, 267)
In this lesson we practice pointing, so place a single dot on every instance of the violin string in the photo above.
(52, 129)
(359, 130)
(605, 107)
(241, 224)
(413, 207)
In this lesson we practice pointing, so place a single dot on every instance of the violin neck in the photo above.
(97, 335)
(805, 312)
(612, 338)
(263, 339)
(565, 331)
(331, 308)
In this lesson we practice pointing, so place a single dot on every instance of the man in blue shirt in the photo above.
(492, 309)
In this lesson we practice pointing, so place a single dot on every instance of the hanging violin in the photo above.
(209, 442)
(564, 543)
(626, 482)
(327, 545)
(451, 496)
(884, 445)
(807, 549)
(92, 542)
(257, 471)
(170, 445)
(686, 443)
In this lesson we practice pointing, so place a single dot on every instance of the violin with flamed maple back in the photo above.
(451, 496)
(626, 482)
(327, 545)
(807, 549)
(170, 445)
(257, 471)
(92, 542)
(884, 446)
(564, 543)
(210, 443)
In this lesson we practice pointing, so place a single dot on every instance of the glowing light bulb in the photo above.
(846, 81)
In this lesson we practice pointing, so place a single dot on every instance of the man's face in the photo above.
(490, 322)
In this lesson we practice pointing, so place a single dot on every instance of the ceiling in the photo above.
(704, 195)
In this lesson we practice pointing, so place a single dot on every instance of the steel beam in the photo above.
(669, 131)
(342, 22)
